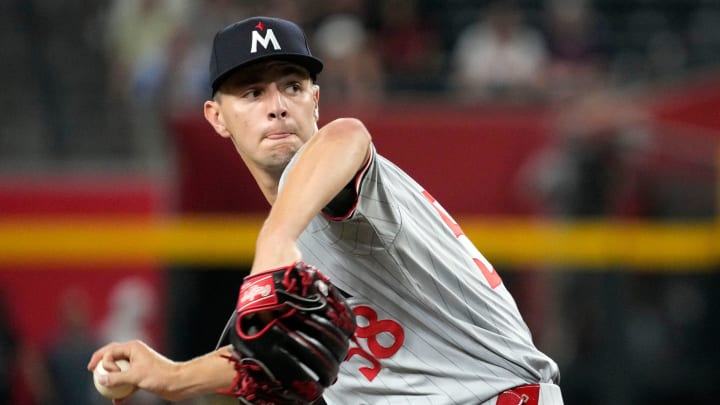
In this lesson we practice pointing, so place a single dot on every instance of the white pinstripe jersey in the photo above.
(435, 323)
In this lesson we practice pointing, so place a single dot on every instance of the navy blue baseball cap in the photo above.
(255, 39)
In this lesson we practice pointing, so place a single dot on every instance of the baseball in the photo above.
(117, 392)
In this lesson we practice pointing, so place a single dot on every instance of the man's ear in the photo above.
(316, 97)
(214, 117)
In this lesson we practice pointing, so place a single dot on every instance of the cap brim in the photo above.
(312, 64)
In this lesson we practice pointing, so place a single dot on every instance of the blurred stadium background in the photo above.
(577, 141)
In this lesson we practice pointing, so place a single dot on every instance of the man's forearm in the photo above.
(203, 375)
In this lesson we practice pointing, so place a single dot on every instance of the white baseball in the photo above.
(118, 391)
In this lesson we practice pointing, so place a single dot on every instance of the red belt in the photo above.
(528, 394)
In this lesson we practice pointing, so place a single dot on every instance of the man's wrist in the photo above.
(201, 375)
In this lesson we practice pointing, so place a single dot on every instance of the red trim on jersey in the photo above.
(358, 179)
(528, 394)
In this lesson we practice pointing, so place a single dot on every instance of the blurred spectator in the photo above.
(132, 308)
(139, 34)
(68, 354)
(667, 56)
(353, 72)
(409, 46)
(140, 40)
(313, 11)
(33, 385)
(294, 10)
(131, 315)
(188, 84)
(23, 377)
(577, 50)
(593, 166)
(703, 35)
(8, 352)
(499, 57)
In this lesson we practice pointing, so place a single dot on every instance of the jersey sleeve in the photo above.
(343, 205)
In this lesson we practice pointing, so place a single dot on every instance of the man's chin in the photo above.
(281, 158)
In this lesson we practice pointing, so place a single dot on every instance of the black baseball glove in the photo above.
(290, 333)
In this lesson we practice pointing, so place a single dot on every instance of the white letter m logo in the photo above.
(269, 37)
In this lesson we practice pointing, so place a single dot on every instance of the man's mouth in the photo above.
(279, 135)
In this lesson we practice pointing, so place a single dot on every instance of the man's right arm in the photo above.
(170, 380)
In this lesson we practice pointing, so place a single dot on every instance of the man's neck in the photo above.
(268, 183)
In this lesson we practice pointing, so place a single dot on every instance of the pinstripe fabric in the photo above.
(431, 329)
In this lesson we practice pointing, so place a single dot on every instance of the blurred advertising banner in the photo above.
(100, 300)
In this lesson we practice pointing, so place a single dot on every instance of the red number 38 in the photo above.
(370, 333)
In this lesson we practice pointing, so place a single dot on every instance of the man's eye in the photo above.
(251, 93)
(295, 87)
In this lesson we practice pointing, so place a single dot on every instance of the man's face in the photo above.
(270, 110)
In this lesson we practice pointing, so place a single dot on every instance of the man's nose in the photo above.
(278, 107)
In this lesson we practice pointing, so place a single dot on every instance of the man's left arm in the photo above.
(329, 160)
(292, 327)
